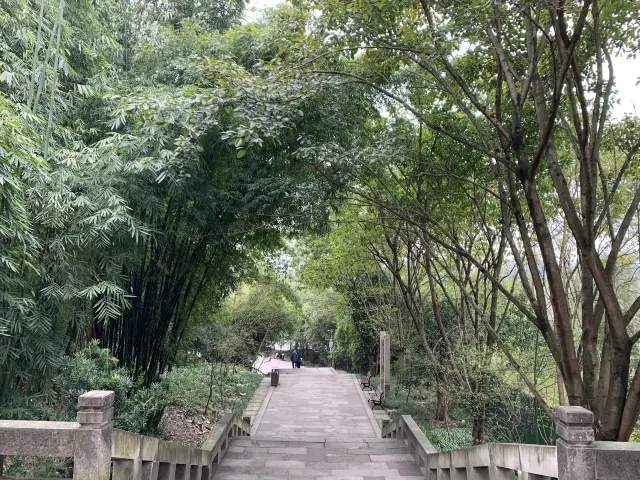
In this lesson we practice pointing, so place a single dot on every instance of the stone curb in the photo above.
(365, 403)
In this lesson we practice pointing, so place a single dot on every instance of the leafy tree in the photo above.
(523, 88)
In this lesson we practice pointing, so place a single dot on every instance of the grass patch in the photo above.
(442, 439)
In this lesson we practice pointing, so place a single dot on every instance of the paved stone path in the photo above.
(266, 364)
(315, 403)
(316, 426)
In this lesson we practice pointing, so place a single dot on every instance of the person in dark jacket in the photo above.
(295, 358)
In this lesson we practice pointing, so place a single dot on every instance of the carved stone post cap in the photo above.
(574, 416)
(574, 425)
(96, 400)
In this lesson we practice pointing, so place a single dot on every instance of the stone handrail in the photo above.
(483, 461)
(101, 452)
(491, 461)
(406, 429)
(137, 456)
(576, 455)
(495, 461)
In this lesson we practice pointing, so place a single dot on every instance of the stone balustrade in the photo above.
(576, 457)
(495, 461)
(405, 428)
(101, 452)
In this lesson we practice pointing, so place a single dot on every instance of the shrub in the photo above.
(189, 388)
(449, 439)
(136, 409)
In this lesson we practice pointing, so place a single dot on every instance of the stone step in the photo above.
(304, 476)
(377, 458)
(261, 442)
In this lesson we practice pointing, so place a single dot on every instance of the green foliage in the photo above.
(248, 322)
(451, 439)
(189, 389)
(442, 437)
(47, 468)
(148, 152)
(136, 409)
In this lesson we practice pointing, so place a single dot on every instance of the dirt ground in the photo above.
(180, 427)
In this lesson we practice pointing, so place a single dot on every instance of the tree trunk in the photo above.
(568, 358)
(562, 399)
(478, 430)
(441, 401)
(372, 364)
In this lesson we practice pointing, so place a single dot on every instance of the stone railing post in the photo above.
(575, 452)
(92, 457)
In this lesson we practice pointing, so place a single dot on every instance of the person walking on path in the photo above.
(295, 358)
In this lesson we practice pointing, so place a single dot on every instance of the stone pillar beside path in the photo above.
(385, 363)
(92, 457)
(575, 450)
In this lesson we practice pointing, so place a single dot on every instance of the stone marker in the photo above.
(385, 363)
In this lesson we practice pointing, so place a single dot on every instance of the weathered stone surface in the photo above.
(575, 434)
(385, 363)
(127, 470)
(615, 460)
(501, 461)
(575, 463)
(149, 448)
(125, 444)
(96, 399)
(505, 455)
(471, 457)
(93, 453)
(150, 470)
(538, 460)
(38, 439)
(477, 473)
(316, 426)
(574, 416)
(497, 473)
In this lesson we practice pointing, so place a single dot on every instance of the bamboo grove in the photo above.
(142, 168)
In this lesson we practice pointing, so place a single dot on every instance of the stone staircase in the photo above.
(316, 425)
(372, 458)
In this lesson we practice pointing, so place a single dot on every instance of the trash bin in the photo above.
(275, 377)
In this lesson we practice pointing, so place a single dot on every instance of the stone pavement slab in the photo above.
(315, 404)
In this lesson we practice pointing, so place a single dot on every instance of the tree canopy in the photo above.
(454, 173)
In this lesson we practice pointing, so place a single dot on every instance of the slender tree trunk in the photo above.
(478, 430)
(569, 360)
(441, 400)
(372, 364)
(562, 399)
(589, 343)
